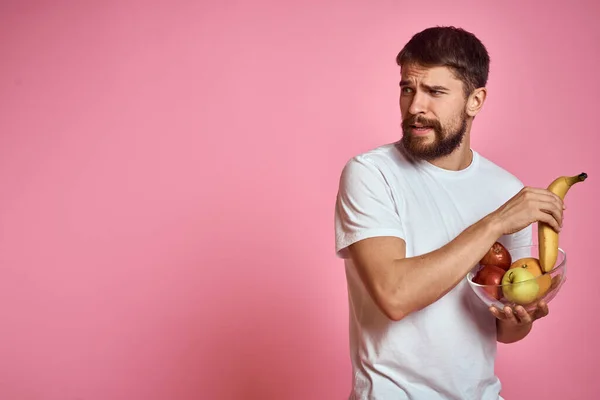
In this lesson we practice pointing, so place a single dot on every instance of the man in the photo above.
(414, 217)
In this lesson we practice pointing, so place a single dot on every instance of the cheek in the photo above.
(452, 118)
(404, 105)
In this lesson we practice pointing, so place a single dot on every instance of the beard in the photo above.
(446, 139)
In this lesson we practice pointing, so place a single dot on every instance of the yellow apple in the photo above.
(520, 286)
(533, 265)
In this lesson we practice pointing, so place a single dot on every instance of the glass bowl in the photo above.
(526, 290)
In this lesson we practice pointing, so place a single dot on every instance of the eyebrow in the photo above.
(434, 87)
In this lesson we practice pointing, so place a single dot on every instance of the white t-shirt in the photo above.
(446, 350)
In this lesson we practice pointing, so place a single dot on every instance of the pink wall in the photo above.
(142, 252)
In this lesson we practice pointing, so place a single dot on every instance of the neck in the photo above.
(461, 158)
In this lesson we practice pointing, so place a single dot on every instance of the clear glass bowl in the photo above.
(526, 293)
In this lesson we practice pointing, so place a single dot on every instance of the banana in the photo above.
(547, 236)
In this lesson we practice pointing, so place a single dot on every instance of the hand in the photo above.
(519, 316)
(528, 206)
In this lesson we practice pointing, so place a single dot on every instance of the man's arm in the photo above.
(401, 285)
(369, 229)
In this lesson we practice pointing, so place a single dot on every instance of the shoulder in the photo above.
(376, 163)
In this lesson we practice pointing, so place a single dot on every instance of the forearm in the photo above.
(508, 333)
(420, 281)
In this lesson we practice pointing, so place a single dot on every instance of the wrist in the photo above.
(492, 226)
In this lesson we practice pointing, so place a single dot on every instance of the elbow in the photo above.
(394, 315)
(392, 307)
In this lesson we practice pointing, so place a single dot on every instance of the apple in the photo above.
(520, 286)
(490, 275)
(533, 265)
(497, 255)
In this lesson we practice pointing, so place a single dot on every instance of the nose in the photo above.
(418, 104)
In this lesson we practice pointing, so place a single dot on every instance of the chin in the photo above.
(421, 153)
(421, 144)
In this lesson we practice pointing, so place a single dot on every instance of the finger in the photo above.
(496, 313)
(523, 315)
(544, 195)
(554, 209)
(547, 195)
(541, 310)
(509, 315)
(557, 200)
(548, 219)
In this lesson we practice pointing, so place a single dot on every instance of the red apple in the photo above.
(490, 275)
(497, 255)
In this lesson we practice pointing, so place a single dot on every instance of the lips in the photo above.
(420, 130)
(420, 126)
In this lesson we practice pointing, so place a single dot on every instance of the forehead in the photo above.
(437, 75)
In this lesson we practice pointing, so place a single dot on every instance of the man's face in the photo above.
(433, 108)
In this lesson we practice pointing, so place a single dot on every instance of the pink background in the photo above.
(168, 173)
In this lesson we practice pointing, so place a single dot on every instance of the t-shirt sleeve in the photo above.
(524, 237)
(365, 206)
(518, 243)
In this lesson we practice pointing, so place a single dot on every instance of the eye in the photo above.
(406, 90)
(436, 92)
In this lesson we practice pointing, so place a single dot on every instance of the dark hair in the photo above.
(451, 47)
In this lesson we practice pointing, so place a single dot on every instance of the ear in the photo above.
(475, 101)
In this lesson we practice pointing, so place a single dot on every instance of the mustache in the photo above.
(418, 119)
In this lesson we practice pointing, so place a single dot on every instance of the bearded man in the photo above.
(413, 217)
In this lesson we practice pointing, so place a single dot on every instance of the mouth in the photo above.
(420, 129)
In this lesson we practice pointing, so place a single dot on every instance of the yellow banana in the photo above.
(547, 236)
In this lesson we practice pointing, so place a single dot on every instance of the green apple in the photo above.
(521, 286)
